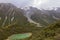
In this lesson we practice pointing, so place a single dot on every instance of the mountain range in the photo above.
(15, 20)
(43, 17)
(10, 14)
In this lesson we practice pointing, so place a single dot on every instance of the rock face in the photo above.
(10, 14)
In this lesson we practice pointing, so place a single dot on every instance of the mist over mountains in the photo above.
(41, 4)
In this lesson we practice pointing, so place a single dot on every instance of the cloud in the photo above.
(50, 4)
(37, 3)
(19, 3)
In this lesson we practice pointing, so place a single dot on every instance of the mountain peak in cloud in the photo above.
(45, 4)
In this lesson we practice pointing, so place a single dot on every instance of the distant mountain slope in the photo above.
(10, 14)
(44, 17)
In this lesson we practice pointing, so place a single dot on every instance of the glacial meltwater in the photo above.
(19, 36)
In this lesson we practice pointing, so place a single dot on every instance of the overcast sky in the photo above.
(36, 3)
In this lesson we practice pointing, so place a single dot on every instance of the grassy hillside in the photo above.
(51, 32)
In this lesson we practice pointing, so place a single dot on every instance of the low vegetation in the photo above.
(51, 32)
